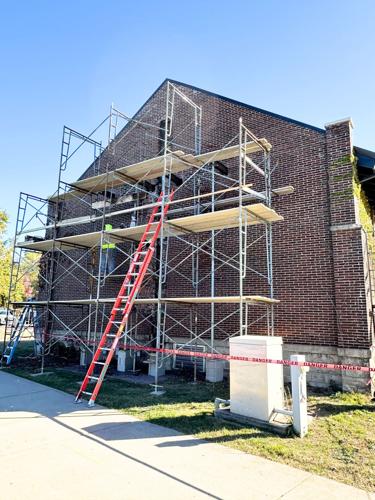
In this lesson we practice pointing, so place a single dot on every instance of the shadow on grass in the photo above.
(205, 423)
(115, 431)
(171, 428)
(122, 395)
(325, 409)
(186, 407)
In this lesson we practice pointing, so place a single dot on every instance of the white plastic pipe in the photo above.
(219, 401)
(299, 396)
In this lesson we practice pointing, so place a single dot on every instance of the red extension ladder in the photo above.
(128, 292)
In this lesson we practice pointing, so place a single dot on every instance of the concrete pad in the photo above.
(53, 448)
(18, 386)
(310, 489)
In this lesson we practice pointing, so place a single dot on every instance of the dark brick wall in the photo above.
(347, 248)
(318, 273)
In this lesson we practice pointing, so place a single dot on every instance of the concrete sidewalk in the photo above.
(52, 448)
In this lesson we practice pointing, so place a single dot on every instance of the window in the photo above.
(162, 135)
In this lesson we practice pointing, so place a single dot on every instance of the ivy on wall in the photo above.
(364, 208)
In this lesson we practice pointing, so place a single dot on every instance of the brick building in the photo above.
(321, 259)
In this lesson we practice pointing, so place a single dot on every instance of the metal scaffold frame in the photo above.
(200, 199)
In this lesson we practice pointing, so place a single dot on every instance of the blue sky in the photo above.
(64, 63)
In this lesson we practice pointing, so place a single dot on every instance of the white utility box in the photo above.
(152, 366)
(124, 360)
(82, 357)
(214, 370)
(85, 357)
(256, 388)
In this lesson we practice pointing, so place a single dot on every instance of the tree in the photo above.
(5, 259)
(28, 272)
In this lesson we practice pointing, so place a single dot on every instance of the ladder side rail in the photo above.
(102, 343)
(139, 276)
(17, 254)
(145, 264)
(16, 335)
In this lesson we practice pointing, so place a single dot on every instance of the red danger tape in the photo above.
(228, 357)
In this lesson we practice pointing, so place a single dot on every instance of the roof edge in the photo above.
(365, 157)
(239, 103)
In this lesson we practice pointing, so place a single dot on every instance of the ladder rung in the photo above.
(130, 286)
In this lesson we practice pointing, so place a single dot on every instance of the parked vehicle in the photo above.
(3, 316)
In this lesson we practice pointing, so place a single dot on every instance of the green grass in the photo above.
(340, 443)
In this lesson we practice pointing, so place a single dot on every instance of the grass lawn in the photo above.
(340, 444)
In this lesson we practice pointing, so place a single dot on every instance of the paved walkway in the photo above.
(52, 448)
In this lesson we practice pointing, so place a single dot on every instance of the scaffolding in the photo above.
(212, 274)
